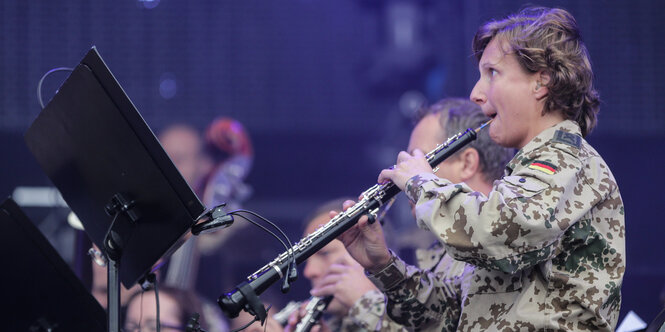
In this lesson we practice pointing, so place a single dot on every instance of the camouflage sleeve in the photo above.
(517, 225)
(369, 313)
(417, 299)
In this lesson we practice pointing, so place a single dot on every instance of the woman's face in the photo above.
(507, 94)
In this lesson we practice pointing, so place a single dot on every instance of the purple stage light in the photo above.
(149, 4)
(167, 86)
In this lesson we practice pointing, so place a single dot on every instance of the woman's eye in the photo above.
(493, 72)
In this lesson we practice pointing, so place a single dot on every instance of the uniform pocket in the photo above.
(525, 186)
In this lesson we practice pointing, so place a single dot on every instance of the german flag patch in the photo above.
(543, 166)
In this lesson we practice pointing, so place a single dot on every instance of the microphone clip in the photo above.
(216, 218)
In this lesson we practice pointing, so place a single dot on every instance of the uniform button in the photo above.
(522, 180)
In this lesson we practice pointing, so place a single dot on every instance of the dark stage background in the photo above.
(326, 88)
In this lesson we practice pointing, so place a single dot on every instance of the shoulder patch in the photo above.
(567, 138)
(543, 166)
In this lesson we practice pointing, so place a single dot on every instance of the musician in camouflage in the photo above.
(546, 247)
(478, 165)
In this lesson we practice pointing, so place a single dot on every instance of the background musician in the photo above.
(332, 271)
(215, 165)
(176, 307)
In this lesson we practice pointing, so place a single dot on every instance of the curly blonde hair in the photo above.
(549, 40)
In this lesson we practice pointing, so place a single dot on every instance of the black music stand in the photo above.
(113, 173)
(40, 291)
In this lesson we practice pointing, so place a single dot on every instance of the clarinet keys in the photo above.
(315, 309)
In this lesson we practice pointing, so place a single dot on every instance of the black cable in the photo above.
(269, 222)
(260, 226)
(158, 322)
(265, 325)
(292, 262)
(291, 271)
(141, 309)
(41, 80)
(256, 319)
(289, 248)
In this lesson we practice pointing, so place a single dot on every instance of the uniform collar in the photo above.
(567, 127)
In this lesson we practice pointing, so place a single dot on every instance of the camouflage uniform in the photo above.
(369, 312)
(410, 290)
(545, 248)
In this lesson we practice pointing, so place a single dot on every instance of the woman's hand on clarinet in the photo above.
(365, 242)
(407, 167)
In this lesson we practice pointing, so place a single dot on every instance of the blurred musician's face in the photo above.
(316, 266)
(427, 134)
(142, 312)
(185, 148)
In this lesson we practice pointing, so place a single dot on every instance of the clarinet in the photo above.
(315, 309)
(372, 199)
(282, 316)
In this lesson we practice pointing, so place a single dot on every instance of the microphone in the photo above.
(286, 284)
(218, 218)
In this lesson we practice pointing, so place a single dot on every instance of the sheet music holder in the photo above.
(39, 289)
(110, 168)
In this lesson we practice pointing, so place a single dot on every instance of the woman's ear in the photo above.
(540, 88)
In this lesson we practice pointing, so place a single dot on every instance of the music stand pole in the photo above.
(118, 206)
(113, 299)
